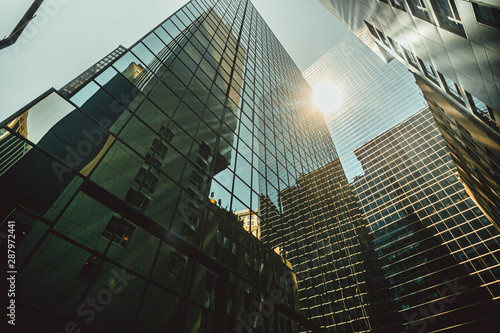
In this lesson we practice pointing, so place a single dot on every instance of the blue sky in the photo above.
(68, 36)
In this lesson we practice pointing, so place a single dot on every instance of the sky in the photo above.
(374, 96)
(68, 36)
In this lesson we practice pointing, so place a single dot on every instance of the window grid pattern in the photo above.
(480, 169)
(426, 229)
(355, 13)
(214, 75)
(381, 96)
(450, 87)
(487, 15)
(372, 103)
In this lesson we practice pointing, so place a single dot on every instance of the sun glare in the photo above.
(327, 96)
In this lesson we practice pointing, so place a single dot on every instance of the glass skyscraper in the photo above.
(375, 96)
(448, 38)
(452, 49)
(439, 253)
(409, 233)
(126, 189)
(478, 164)
(123, 188)
(325, 239)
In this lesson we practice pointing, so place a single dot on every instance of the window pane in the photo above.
(448, 17)
(429, 71)
(398, 4)
(372, 30)
(452, 89)
(396, 47)
(487, 15)
(481, 110)
(418, 9)
(410, 57)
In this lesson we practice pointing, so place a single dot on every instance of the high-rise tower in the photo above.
(375, 96)
(451, 47)
(409, 240)
(439, 253)
(125, 196)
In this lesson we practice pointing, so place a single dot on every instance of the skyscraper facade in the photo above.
(375, 96)
(124, 199)
(439, 253)
(413, 236)
(452, 48)
(449, 35)
(477, 161)
(322, 233)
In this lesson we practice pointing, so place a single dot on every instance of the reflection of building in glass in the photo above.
(434, 37)
(451, 47)
(375, 97)
(439, 253)
(250, 221)
(11, 150)
(322, 235)
(113, 192)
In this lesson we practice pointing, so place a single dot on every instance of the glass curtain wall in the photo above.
(124, 189)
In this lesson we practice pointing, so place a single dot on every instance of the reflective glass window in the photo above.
(447, 14)
(418, 9)
(487, 15)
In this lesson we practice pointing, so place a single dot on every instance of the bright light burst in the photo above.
(327, 96)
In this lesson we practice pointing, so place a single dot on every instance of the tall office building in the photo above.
(322, 234)
(477, 161)
(397, 166)
(375, 96)
(112, 196)
(439, 253)
(452, 48)
(374, 99)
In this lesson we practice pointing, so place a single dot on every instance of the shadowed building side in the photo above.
(113, 194)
